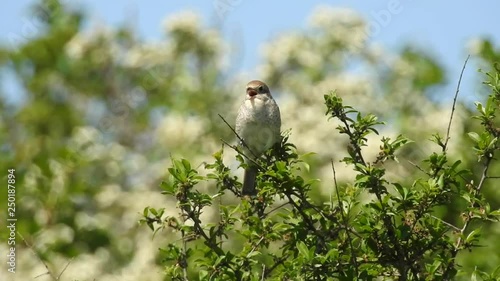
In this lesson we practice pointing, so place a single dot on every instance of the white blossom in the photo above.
(186, 21)
(176, 130)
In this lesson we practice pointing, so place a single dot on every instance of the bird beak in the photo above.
(251, 92)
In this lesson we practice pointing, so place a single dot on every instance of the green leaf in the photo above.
(479, 107)
(473, 236)
(167, 188)
(303, 249)
(466, 196)
(432, 268)
(202, 274)
(253, 254)
(473, 277)
(496, 273)
(495, 213)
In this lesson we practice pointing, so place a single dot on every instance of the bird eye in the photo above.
(261, 88)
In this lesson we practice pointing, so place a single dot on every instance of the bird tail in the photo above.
(249, 181)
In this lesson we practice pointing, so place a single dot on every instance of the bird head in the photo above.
(257, 89)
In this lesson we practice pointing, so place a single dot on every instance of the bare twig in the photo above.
(256, 245)
(236, 149)
(64, 269)
(446, 223)
(418, 167)
(58, 277)
(184, 251)
(277, 263)
(278, 207)
(344, 219)
(38, 257)
(188, 237)
(240, 138)
(454, 104)
(221, 237)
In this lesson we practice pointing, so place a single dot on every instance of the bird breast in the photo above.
(256, 108)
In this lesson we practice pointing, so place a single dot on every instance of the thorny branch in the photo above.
(344, 219)
(54, 277)
(468, 218)
(454, 104)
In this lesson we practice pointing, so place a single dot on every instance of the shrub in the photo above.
(369, 229)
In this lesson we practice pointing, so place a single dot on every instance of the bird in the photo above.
(258, 125)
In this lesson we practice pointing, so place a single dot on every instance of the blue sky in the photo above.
(442, 27)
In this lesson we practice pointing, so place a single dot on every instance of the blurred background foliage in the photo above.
(103, 111)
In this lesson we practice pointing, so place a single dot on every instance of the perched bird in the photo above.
(258, 123)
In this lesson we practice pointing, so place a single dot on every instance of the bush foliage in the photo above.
(370, 228)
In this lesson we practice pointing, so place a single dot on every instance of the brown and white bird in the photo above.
(258, 123)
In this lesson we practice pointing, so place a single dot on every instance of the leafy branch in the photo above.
(374, 229)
